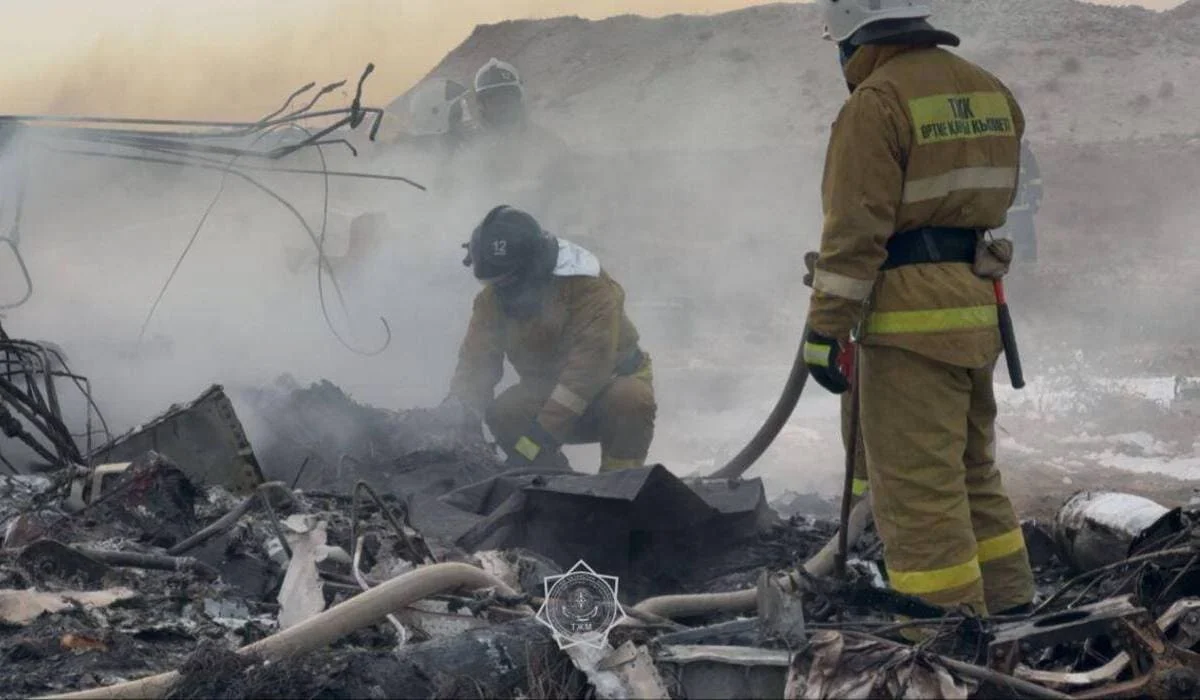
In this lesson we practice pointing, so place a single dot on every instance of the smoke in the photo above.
(229, 59)
(697, 192)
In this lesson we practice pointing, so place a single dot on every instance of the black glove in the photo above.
(810, 267)
(829, 362)
(534, 444)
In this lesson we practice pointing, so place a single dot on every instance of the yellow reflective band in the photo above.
(568, 399)
(932, 320)
(815, 354)
(926, 582)
(527, 448)
(842, 286)
(993, 548)
(951, 117)
(939, 186)
(612, 464)
(859, 486)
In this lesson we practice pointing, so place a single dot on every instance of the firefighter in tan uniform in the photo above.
(559, 319)
(922, 161)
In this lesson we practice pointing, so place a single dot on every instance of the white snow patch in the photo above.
(1179, 467)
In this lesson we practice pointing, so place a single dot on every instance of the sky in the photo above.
(236, 58)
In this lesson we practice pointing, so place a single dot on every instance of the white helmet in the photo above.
(496, 74)
(434, 106)
(844, 17)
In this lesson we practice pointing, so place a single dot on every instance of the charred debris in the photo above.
(361, 552)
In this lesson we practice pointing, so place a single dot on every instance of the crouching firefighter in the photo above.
(559, 319)
(922, 162)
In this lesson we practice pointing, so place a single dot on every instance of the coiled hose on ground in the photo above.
(321, 630)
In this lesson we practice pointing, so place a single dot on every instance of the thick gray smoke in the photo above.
(693, 174)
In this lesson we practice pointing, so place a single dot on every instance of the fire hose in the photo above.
(325, 628)
(820, 564)
(854, 520)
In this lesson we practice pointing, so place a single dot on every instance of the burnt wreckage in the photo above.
(392, 557)
(187, 563)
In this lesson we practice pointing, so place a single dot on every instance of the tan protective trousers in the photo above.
(621, 419)
(949, 531)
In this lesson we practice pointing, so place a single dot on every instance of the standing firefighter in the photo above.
(1020, 226)
(560, 321)
(922, 161)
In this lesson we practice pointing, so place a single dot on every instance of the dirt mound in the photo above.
(763, 75)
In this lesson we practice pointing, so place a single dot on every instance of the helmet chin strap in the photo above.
(846, 51)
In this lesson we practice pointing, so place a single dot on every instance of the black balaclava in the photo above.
(523, 297)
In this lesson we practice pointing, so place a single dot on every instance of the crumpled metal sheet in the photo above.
(23, 607)
(205, 437)
(301, 595)
(853, 668)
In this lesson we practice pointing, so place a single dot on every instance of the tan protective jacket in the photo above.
(572, 348)
(909, 151)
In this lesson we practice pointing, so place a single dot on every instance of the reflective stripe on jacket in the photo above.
(926, 139)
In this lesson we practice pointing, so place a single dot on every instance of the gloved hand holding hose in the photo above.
(830, 362)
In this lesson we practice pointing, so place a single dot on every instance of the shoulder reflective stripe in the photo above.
(841, 285)
(932, 320)
(968, 115)
(527, 448)
(993, 548)
(932, 581)
(816, 354)
(939, 186)
(859, 486)
(570, 400)
(575, 261)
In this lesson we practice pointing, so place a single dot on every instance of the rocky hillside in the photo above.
(763, 76)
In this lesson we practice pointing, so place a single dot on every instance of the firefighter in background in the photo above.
(559, 319)
(520, 160)
(436, 115)
(922, 160)
(1020, 227)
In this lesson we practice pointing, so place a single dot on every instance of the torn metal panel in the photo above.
(637, 672)
(781, 612)
(645, 526)
(23, 607)
(1096, 528)
(743, 502)
(1160, 668)
(431, 619)
(852, 667)
(1057, 628)
(744, 632)
(734, 656)
(725, 672)
(204, 437)
(1183, 615)
(301, 596)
